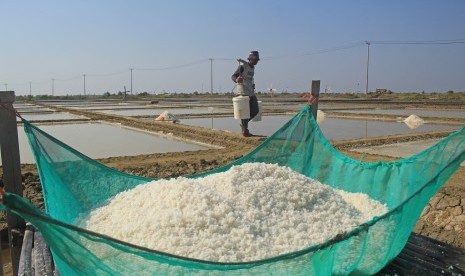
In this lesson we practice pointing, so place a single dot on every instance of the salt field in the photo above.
(332, 128)
(98, 140)
(406, 112)
(158, 111)
(49, 116)
(104, 135)
(400, 150)
(93, 138)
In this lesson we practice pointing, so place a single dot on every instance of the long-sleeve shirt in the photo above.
(247, 88)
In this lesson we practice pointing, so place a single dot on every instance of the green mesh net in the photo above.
(74, 184)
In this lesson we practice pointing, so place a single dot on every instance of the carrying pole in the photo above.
(9, 149)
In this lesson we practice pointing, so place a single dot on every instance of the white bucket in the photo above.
(241, 107)
(239, 89)
(258, 117)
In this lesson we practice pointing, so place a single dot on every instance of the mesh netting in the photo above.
(74, 184)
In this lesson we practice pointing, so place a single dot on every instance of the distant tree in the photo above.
(450, 92)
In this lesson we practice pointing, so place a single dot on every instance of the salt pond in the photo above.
(158, 111)
(400, 150)
(406, 112)
(98, 140)
(332, 128)
(49, 116)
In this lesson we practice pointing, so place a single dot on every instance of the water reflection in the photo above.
(157, 111)
(103, 140)
(332, 128)
(406, 112)
(49, 116)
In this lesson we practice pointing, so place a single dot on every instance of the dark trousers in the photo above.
(253, 103)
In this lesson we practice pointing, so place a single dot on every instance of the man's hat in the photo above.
(254, 55)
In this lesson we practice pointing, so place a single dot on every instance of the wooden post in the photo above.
(1, 261)
(9, 148)
(315, 93)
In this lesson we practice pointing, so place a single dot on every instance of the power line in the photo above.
(425, 42)
(69, 79)
(334, 49)
(107, 75)
(172, 67)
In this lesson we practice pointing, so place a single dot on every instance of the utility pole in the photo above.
(131, 79)
(84, 84)
(368, 64)
(211, 75)
(6, 86)
(53, 87)
(30, 88)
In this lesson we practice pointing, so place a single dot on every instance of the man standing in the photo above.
(244, 77)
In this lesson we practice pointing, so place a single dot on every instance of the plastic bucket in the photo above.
(241, 107)
(258, 117)
(239, 89)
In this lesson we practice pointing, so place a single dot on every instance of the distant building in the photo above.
(383, 91)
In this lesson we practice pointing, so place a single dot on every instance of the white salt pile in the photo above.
(250, 212)
(413, 121)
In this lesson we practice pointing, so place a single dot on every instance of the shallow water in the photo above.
(408, 112)
(82, 103)
(332, 128)
(98, 140)
(158, 111)
(48, 116)
(401, 150)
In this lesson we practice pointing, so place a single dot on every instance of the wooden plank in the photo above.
(425, 256)
(43, 258)
(25, 261)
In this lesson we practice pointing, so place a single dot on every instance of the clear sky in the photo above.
(169, 45)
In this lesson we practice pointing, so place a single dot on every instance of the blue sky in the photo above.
(169, 43)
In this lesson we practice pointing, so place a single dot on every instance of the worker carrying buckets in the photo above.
(246, 105)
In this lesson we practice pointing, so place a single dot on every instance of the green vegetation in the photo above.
(447, 96)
